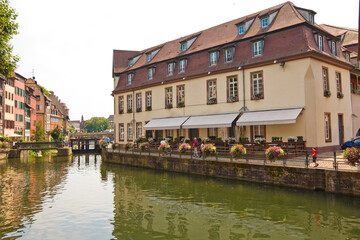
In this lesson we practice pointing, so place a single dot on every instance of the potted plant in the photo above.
(276, 139)
(129, 146)
(208, 149)
(352, 156)
(169, 105)
(259, 140)
(340, 95)
(115, 146)
(206, 140)
(327, 93)
(300, 139)
(183, 147)
(145, 146)
(212, 100)
(243, 139)
(121, 111)
(148, 108)
(230, 140)
(138, 109)
(238, 151)
(180, 104)
(291, 139)
(129, 110)
(164, 148)
(103, 143)
(186, 140)
(232, 99)
(218, 139)
(273, 153)
(257, 95)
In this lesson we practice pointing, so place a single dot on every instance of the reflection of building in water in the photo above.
(157, 205)
(22, 188)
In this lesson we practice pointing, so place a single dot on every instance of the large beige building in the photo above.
(271, 73)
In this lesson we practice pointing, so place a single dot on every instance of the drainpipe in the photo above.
(244, 107)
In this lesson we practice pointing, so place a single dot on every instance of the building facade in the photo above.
(9, 117)
(2, 103)
(271, 73)
(30, 113)
(19, 105)
(59, 115)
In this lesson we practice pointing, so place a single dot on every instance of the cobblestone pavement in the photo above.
(325, 160)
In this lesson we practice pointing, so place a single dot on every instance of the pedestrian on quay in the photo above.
(314, 156)
(195, 146)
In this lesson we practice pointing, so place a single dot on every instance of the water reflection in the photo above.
(163, 205)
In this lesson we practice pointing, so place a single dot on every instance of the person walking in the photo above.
(314, 156)
(195, 146)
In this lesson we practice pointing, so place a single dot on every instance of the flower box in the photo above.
(212, 101)
(340, 95)
(180, 104)
(148, 108)
(327, 93)
(169, 105)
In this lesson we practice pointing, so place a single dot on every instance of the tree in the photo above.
(97, 125)
(72, 129)
(39, 132)
(56, 133)
(45, 91)
(8, 28)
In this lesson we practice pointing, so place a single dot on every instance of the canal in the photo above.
(81, 198)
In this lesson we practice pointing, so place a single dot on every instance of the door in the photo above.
(193, 133)
(341, 129)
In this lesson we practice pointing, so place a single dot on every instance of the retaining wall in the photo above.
(308, 178)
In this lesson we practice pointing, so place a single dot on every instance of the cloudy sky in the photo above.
(68, 44)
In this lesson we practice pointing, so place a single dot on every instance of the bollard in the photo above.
(335, 163)
(307, 160)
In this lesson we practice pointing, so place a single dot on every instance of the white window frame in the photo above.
(321, 42)
(181, 94)
(228, 54)
(138, 130)
(121, 132)
(170, 69)
(121, 103)
(169, 96)
(129, 78)
(138, 101)
(212, 89)
(333, 48)
(257, 82)
(213, 58)
(338, 81)
(264, 22)
(182, 65)
(148, 99)
(129, 102)
(259, 130)
(150, 73)
(325, 74)
(257, 48)
(233, 87)
(327, 127)
(130, 132)
(241, 29)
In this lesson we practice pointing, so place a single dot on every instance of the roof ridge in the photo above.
(338, 27)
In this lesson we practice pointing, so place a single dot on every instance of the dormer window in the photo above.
(347, 56)
(151, 55)
(229, 54)
(320, 41)
(264, 21)
(129, 78)
(213, 58)
(241, 29)
(170, 69)
(150, 73)
(133, 60)
(182, 65)
(311, 17)
(185, 45)
(333, 47)
(257, 48)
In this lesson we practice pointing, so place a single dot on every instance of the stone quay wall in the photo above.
(344, 182)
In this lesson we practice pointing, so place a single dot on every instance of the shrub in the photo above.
(140, 139)
(243, 139)
(145, 146)
(129, 146)
(352, 156)
(238, 151)
(115, 146)
(208, 149)
(291, 139)
(186, 140)
(165, 147)
(272, 153)
(183, 147)
(218, 139)
(103, 143)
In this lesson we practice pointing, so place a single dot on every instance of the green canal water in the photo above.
(82, 198)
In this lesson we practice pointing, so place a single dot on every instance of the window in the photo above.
(133, 60)
(212, 132)
(232, 93)
(320, 42)
(347, 56)
(229, 54)
(258, 131)
(129, 79)
(213, 58)
(148, 101)
(138, 130)
(257, 48)
(150, 73)
(180, 96)
(121, 104)
(169, 133)
(151, 55)
(37, 98)
(211, 96)
(16, 103)
(338, 84)
(264, 22)
(325, 76)
(138, 102)
(170, 69)
(327, 123)
(311, 18)
(168, 97)
(121, 132)
(129, 103)
(38, 107)
(333, 48)
(241, 29)
(130, 132)
(182, 65)
(257, 88)
(183, 46)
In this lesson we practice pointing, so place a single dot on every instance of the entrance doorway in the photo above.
(193, 133)
(341, 128)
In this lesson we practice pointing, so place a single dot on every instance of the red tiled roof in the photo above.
(350, 34)
(280, 41)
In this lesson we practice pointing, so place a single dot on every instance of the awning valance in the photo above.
(269, 117)
(211, 120)
(165, 123)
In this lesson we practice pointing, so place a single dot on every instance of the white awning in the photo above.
(269, 117)
(211, 121)
(165, 123)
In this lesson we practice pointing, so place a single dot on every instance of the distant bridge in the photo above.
(93, 135)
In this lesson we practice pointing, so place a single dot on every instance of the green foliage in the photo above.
(39, 133)
(72, 129)
(45, 91)
(97, 125)
(8, 28)
(55, 133)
